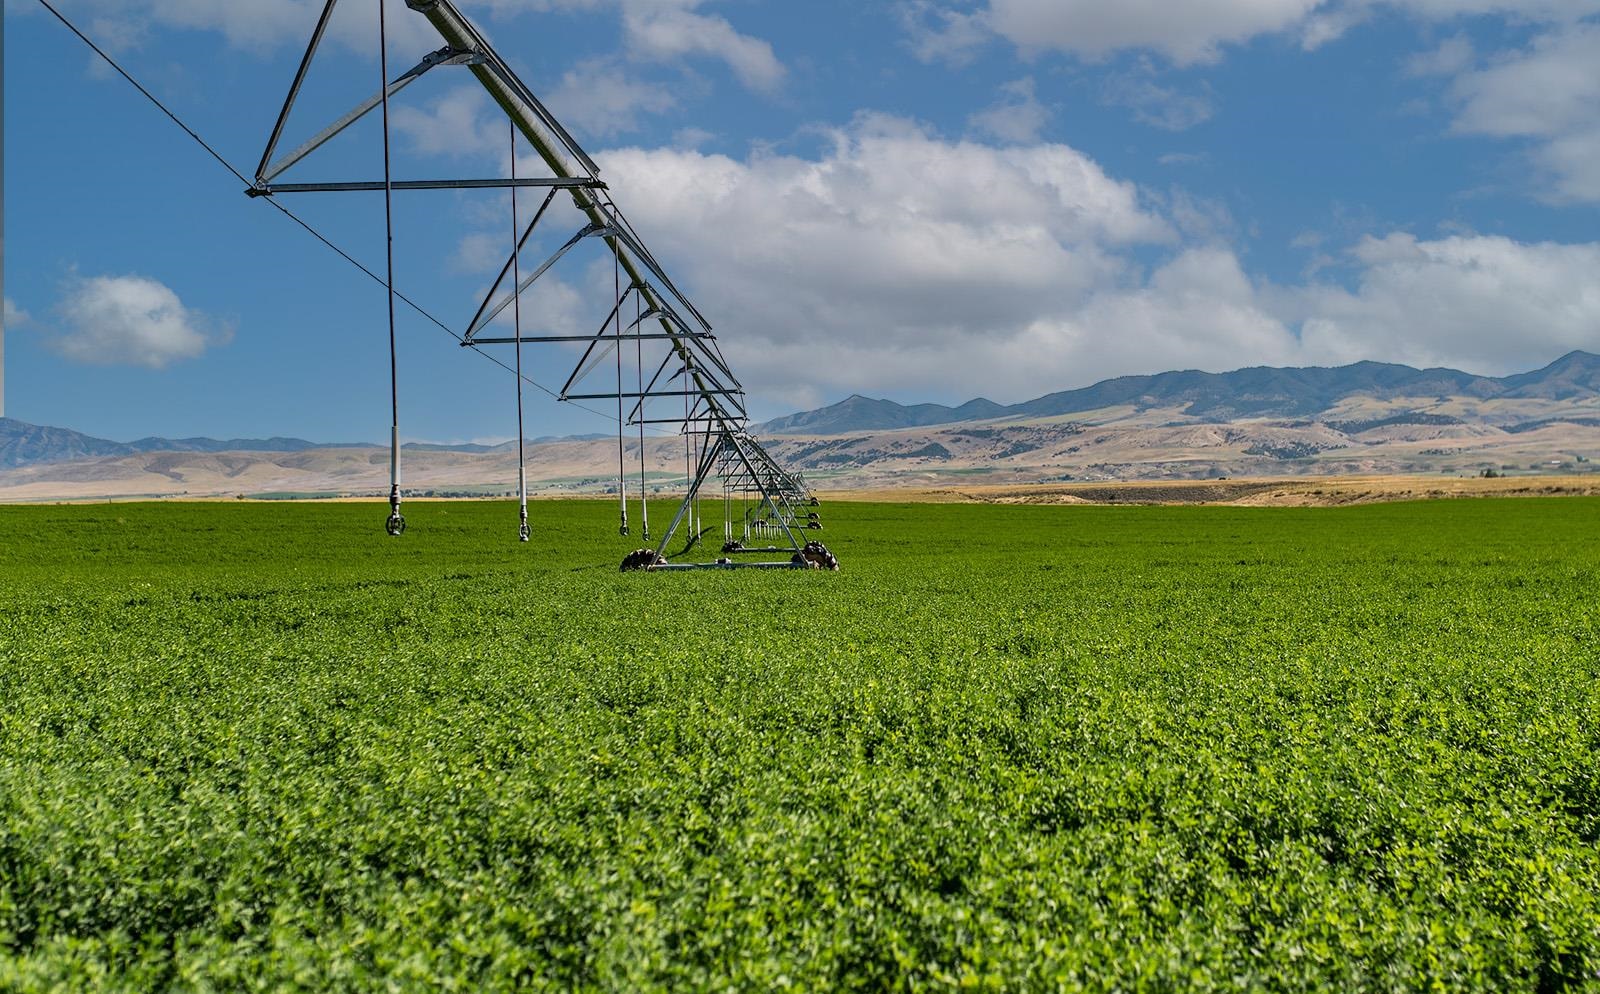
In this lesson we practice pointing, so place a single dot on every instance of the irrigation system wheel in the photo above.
(642, 559)
(816, 556)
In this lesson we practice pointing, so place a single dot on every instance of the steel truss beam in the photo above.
(376, 186)
(526, 339)
(727, 446)
(693, 368)
(265, 174)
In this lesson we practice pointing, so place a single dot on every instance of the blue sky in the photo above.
(916, 199)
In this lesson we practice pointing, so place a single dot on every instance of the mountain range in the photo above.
(1260, 423)
(1256, 392)
(24, 444)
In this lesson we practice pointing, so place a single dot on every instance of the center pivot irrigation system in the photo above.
(766, 510)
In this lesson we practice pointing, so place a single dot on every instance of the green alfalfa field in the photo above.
(265, 747)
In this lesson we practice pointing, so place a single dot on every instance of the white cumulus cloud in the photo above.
(923, 231)
(903, 257)
(259, 25)
(670, 30)
(1525, 10)
(1451, 56)
(665, 30)
(1017, 116)
(872, 267)
(1548, 93)
(15, 317)
(652, 30)
(600, 99)
(130, 320)
(455, 123)
(895, 259)
(1484, 302)
(1186, 33)
(1199, 310)
(1156, 105)
(942, 34)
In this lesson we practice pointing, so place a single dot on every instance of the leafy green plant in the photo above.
(264, 747)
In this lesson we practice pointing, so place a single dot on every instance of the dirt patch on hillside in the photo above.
(1367, 492)
(1219, 492)
(1312, 492)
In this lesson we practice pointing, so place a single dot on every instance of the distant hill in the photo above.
(508, 446)
(1256, 392)
(24, 444)
(858, 413)
(1359, 420)
(275, 444)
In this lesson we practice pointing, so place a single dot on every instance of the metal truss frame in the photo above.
(692, 370)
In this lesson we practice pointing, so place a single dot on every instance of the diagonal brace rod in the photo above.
(589, 229)
(510, 261)
(294, 88)
(444, 56)
(585, 365)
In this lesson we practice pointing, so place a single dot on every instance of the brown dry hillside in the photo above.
(1314, 492)
(970, 458)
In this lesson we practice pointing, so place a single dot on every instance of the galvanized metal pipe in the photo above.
(396, 522)
(559, 152)
(516, 273)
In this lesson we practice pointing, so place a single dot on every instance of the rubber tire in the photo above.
(640, 559)
(817, 556)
